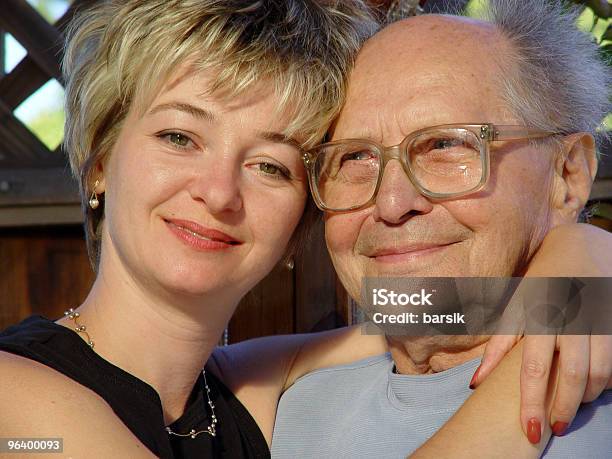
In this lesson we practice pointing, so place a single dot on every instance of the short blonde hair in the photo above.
(122, 52)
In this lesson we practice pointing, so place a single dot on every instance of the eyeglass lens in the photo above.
(442, 161)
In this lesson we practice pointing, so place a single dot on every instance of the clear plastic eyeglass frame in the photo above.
(485, 133)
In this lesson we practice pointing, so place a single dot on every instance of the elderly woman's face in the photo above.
(202, 193)
(490, 233)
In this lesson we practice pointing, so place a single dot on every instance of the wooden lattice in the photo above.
(35, 186)
(43, 42)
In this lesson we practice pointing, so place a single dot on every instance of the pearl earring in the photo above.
(93, 200)
(290, 264)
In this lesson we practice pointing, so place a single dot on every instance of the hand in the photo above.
(585, 370)
(585, 361)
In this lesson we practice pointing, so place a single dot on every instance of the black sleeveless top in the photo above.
(136, 403)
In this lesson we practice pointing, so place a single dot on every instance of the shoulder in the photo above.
(71, 411)
(258, 371)
(369, 365)
(283, 359)
(340, 348)
(255, 371)
(23, 376)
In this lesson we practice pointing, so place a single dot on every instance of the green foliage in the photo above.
(603, 210)
(595, 19)
(474, 8)
(48, 126)
(601, 8)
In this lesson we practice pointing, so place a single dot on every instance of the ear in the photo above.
(575, 170)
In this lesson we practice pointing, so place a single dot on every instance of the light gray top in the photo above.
(365, 410)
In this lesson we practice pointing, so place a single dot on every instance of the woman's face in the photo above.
(202, 193)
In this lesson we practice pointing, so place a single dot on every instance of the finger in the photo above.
(508, 331)
(600, 370)
(497, 347)
(574, 357)
(537, 358)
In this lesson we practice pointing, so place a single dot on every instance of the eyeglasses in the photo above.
(442, 162)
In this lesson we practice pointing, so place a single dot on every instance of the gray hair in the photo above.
(557, 79)
(560, 82)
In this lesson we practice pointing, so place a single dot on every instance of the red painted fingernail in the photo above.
(559, 428)
(534, 431)
(474, 378)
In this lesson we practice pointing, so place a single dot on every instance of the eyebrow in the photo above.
(192, 110)
(277, 137)
(208, 116)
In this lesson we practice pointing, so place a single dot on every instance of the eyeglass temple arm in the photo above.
(507, 132)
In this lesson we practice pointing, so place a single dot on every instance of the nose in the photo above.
(218, 187)
(398, 200)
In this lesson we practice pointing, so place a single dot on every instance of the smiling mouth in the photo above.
(202, 237)
(199, 236)
(413, 252)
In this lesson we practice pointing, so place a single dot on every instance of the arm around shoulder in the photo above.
(573, 250)
(487, 425)
(280, 360)
(258, 371)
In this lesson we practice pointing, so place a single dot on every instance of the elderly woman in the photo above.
(185, 120)
(185, 124)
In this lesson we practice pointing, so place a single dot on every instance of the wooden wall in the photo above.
(43, 271)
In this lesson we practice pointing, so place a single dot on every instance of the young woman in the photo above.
(185, 120)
